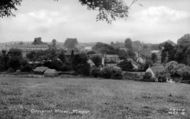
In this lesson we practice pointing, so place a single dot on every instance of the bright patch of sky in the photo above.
(151, 21)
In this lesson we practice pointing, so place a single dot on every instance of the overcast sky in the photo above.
(156, 21)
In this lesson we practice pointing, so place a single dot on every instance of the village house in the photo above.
(110, 59)
(27, 47)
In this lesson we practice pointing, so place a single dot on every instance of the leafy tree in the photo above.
(71, 43)
(26, 67)
(129, 44)
(95, 71)
(55, 64)
(164, 57)
(154, 57)
(14, 63)
(104, 48)
(80, 65)
(15, 53)
(168, 52)
(108, 9)
(187, 53)
(123, 54)
(4, 60)
(184, 41)
(37, 41)
(53, 44)
(62, 56)
(31, 56)
(129, 47)
(111, 72)
(8, 6)
(50, 54)
(131, 54)
(126, 65)
(137, 46)
(15, 59)
(182, 52)
(97, 60)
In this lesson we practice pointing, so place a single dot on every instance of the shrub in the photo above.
(26, 68)
(32, 56)
(80, 64)
(95, 72)
(162, 76)
(66, 67)
(3, 60)
(83, 69)
(154, 57)
(15, 59)
(178, 70)
(10, 70)
(126, 65)
(148, 77)
(111, 72)
(14, 63)
(62, 56)
(15, 52)
(184, 71)
(54, 64)
(171, 67)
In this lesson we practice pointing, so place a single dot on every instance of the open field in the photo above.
(88, 98)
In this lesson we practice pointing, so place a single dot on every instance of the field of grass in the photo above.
(88, 98)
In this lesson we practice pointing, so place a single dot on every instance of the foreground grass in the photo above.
(85, 98)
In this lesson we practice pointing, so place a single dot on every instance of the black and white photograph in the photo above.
(94, 59)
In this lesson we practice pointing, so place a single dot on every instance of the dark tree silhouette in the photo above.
(183, 49)
(71, 43)
(104, 48)
(129, 44)
(108, 9)
(97, 60)
(8, 6)
(154, 57)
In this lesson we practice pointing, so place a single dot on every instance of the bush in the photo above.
(15, 52)
(83, 69)
(178, 70)
(10, 70)
(162, 76)
(126, 65)
(54, 64)
(26, 68)
(15, 59)
(14, 63)
(3, 60)
(111, 72)
(171, 67)
(80, 65)
(66, 67)
(95, 72)
(148, 77)
(154, 57)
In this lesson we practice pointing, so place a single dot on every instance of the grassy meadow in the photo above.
(89, 98)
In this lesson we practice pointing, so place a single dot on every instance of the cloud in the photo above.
(161, 14)
(40, 20)
(70, 19)
(154, 24)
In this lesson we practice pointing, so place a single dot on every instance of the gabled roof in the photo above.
(158, 68)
